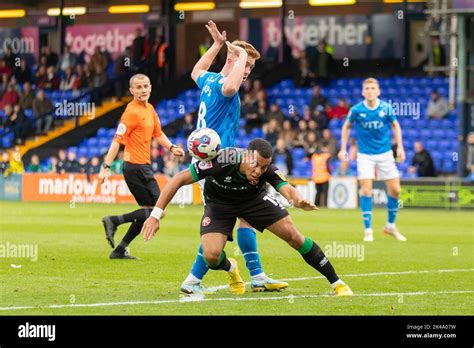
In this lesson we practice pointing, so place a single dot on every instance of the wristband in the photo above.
(171, 147)
(157, 213)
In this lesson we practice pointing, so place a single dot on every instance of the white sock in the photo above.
(389, 225)
(260, 276)
(339, 281)
(368, 231)
(232, 267)
(191, 279)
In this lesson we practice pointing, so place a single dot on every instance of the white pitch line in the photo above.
(221, 287)
(211, 299)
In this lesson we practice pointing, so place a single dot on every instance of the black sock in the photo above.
(222, 264)
(134, 229)
(314, 256)
(136, 215)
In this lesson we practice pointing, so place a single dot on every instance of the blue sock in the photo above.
(200, 268)
(366, 207)
(392, 208)
(247, 240)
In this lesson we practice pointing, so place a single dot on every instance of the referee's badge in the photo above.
(122, 128)
(206, 221)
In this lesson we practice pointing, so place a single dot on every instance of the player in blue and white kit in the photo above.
(220, 110)
(372, 119)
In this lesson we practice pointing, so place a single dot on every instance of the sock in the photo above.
(392, 209)
(247, 240)
(191, 279)
(222, 264)
(314, 256)
(135, 228)
(333, 285)
(259, 277)
(136, 215)
(366, 207)
(200, 268)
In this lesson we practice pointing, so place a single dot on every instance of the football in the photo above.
(204, 144)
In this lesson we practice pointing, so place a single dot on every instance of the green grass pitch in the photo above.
(431, 274)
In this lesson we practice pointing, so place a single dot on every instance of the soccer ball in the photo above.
(204, 144)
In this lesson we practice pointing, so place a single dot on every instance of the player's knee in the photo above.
(366, 191)
(395, 191)
(296, 239)
(211, 255)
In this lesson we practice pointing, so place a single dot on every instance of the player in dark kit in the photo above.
(235, 187)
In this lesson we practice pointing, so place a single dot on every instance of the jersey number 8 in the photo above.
(201, 123)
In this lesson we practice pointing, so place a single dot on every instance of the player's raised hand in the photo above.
(401, 154)
(343, 155)
(104, 175)
(150, 227)
(235, 50)
(177, 151)
(306, 205)
(216, 34)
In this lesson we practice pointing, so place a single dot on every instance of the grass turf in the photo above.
(73, 265)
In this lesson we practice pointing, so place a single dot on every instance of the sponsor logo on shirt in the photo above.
(205, 165)
(362, 115)
(228, 179)
(381, 113)
(372, 124)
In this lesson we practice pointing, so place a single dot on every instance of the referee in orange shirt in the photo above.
(138, 125)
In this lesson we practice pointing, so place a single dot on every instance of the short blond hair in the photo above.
(139, 77)
(251, 51)
(370, 80)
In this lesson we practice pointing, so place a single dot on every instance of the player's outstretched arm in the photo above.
(232, 83)
(292, 196)
(397, 133)
(205, 62)
(346, 127)
(152, 224)
(109, 158)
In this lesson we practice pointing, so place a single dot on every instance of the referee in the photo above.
(138, 125)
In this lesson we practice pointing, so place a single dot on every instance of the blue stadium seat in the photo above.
(92, 142)
(72, 149)
(102, 132)
(449, 167)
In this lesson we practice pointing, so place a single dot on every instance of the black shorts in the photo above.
(141, 182)
(260, 213)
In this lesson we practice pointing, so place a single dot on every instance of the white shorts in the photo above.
(384, 163)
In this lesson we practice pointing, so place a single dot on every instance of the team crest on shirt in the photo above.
(281, 175)
(121, 129)
(228, 179)
(362, 114)
(205, 165)
(206, 221)
(381, 113)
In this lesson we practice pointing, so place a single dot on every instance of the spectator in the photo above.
(10, 96)
(4, 163)
(421, 164)
(301, 134)
(9, 57)
(258, 118)
(82, 165)
(157, 163)
(97, 59)
(68, 60)
(293, 117)
(171, 168)
(23, 72)
(262, 96)
(5, 69)
(437, 106)
(304, 76)
(117, 165)
(249, 105)
(16, 164)
(353, 149)
(470, 151)
(16, 121)
(282, 157)
(62, 160)
(287, 133)
(68, 81)
(42, 108)
(257, 88)
(321, 175)
(344, 169)
(322, 65)
(121, 73)
(321, 119)
(53, 165)
(329, 142)
(72, 166)
(51, 57)
(27, 97)
(94, 166)
(4, 84)
(81, 80)
(138, 49)
(276, 114)
(98, 83)
(159, 60)
(338, 112)
(317, 100)
(311, 146)
(41, 77)
(272, 131)
(34, 166)
(183, 162)
(437, 55)
(52, 79)
(188, 126)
